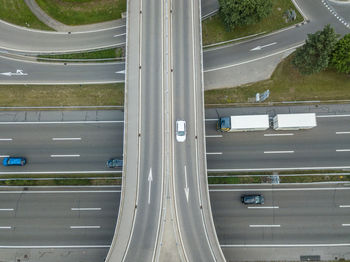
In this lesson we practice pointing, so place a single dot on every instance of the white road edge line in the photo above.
(214, 153)
(60, 192)
(65, 138)
(290, 245)
(264, 225)
(279, 152)
(53, 247)
(86, 209)
(59, 122)
(269, 207)
(286, 134)
(342, 133)
(342, 150)
(65, 155)
(85, 227)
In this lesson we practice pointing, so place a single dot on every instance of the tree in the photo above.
(237, 12)
(340, 58)
(314, 55)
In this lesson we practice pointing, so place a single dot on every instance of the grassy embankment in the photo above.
(62, 95)
(287, 84)
(18, 13)
(214, 30)
(81, 12)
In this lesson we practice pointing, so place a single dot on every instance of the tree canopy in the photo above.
(237, 12)
(340, 58)
(314, 55)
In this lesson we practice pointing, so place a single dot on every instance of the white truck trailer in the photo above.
(294, 121)
(243, 123)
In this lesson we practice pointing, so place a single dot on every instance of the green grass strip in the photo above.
(81, 12)
(18, 13)
(286, 84)
(101, 54)
(213, 29)
(62, 95)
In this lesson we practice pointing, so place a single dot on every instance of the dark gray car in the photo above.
(252, 199)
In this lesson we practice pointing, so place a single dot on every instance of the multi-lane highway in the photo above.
(306, 219)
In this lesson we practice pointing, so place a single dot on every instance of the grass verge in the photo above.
(213, 29)
(286, 84)
(101, 54)
(18, 13)
(81, 12)
(283, 179)
(61, 180)
(62, 95)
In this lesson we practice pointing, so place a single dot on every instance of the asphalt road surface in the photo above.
(19, 39)
(59, 73)
(298, 216)
(66, 217)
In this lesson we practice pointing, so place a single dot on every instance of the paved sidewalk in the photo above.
(60, 27)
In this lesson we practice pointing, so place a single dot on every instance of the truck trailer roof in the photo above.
(250, 122)
(296, 120)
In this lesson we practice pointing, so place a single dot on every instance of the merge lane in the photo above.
(304, 217)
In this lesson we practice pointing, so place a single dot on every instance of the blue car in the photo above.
(252, 199)
(113, 163)
(14, 161)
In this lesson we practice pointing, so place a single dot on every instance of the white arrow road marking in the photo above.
(187, 190)
(120, 72)
(150, 178)
(259, 47)
(19, 72)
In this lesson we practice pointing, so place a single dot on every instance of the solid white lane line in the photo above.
(264, 225)
(214, 153)
(60, 192)
(86, 209)
(280, 189)
(6, 209)
(275, 168)
(53, 247)
(6, 139)
(344, 206)
(342, 133)
(286, 134)
(290, 245)
(60, 122)
(65, 138)
(85, 227)
(4, 155)
(279, 152)
(342, 150)
(345, 225)
(65, 155)
(213, 136)
(5, 227)
(333, 116)
(266, 207)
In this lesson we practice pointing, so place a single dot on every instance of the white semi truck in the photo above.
(243, 123)
(294, 121)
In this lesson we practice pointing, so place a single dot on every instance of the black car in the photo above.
(252, 199)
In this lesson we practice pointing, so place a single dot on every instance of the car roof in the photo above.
(181, 125)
